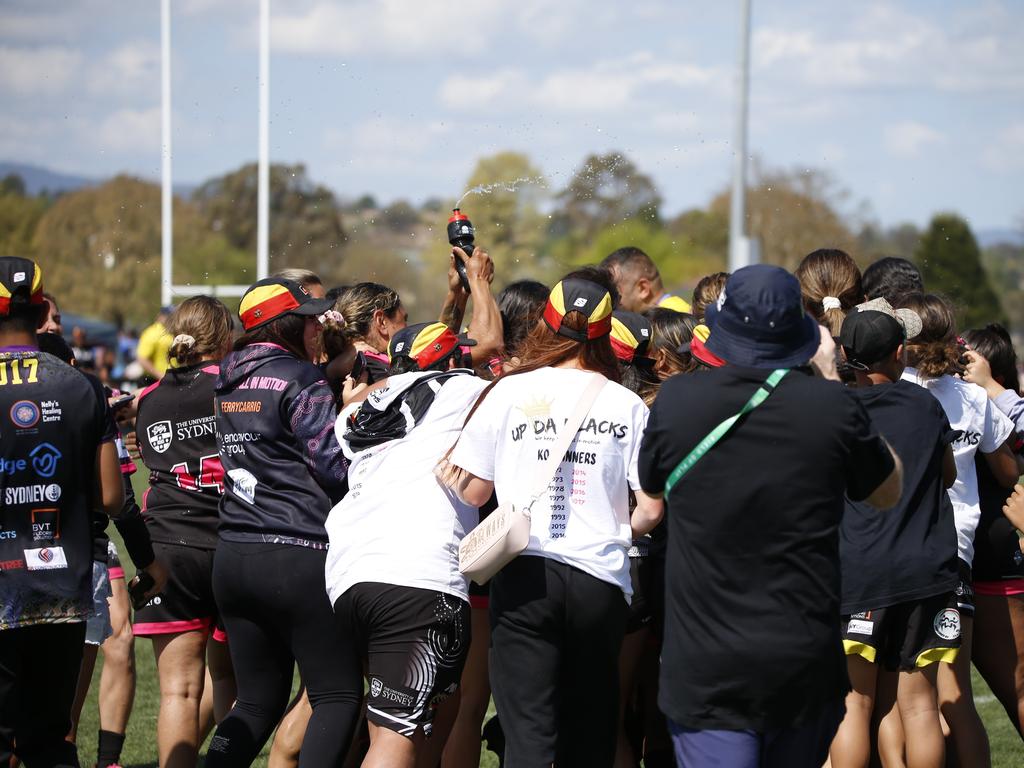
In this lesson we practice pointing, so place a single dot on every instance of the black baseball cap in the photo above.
(578, 295)
(869, 337)
(21, 284)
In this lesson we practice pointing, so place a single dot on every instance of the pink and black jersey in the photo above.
(176, 429)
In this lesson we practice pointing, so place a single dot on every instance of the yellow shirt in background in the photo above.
(154, 345)
(668, 301)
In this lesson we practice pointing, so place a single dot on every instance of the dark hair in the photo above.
(405, 364)
(891, 278)
(23, 318)
(707, 291)
(333, 294)
(543, 348)
(521, 304)
(358, 303)
(994, 344)
(669, 331)
(54, 344)
(934, 351)
(630, 258)
(829, 272)
(286, 331)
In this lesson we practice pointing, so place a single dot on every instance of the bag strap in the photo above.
(718, 432)
(565, 437)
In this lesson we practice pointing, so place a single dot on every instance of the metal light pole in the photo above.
(263, 181)
(740, 254)
(166, 191)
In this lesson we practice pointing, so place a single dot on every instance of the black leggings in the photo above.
(38, 676)
(276, 611)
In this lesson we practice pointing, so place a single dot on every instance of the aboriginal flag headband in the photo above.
(577, 295)
(21, 284)
(273, 297)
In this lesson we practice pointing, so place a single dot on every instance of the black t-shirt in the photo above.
(176, 429)
(907, 552)
(997, 554)
(52, 420)
(752, 566)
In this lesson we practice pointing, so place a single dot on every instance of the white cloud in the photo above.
(46, 69)
(607, 86)
(908, 138)
(129, 130)
(395, 27)
(39, 26)
(387, 142)
(1006, 152)
(884, 46)
(132, 67)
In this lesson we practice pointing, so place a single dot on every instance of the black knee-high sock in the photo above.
(108, 752)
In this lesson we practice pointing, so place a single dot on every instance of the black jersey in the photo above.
(52, 420)
(177, 436)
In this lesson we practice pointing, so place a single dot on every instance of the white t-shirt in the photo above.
(583, 518)
(984, 429)
(398, 524)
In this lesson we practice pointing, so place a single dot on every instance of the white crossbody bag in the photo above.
(504, 533)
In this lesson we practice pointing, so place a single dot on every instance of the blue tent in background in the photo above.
(97, 332)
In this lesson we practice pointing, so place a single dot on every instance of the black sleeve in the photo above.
(868, 462)
(105, 417)
(650, 471)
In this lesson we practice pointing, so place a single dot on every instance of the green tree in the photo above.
(305, 223)
(792, 213)
(950, 263)
(19, 217)
(607, 189)
(505, 211)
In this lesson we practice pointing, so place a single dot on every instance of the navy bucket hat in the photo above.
(760, 322)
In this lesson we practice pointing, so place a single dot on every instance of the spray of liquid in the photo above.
(504, 186)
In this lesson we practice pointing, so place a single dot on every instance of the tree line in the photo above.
(100, 246)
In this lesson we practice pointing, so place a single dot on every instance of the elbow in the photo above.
(112, 501)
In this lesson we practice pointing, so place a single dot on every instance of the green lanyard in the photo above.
(718, 432)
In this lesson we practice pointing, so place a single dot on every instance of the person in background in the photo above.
(485, 328)
(108, 627)
(934, 362)
(60, 430)
(706, 292)
(744, 682)
(558, 610)
(373, 314)
(830, 284)
(306, 278)
(670, 330)
(891, 278)
(89, 358)
(638, 282)
(52, 324)
(899, 568)
(393, 567)
(283, 470)
(998, 649)
(154, 343)
(175, 429)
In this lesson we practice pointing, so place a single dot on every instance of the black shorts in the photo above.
(415, 643)
(186, 603)
(906, 636)
(641, 575)
(965, 590)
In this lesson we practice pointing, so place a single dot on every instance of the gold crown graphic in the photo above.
(537, 408)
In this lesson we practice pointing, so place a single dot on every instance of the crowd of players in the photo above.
(783, 531)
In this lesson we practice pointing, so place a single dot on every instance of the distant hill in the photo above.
(989, 237)
(37, 179)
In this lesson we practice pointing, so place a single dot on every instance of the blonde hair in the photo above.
(829, 273)
(358, 303)
(707, 292)
(201, 327)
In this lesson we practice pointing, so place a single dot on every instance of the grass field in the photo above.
(140, 745)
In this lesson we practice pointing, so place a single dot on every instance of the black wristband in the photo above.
(136, 538)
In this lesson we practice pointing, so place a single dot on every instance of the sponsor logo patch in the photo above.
(243, 483)
(45, 559)
(25, 414)
(31, 494)
(947, 624)
(44, 460)
(860, 627)
(160, 436)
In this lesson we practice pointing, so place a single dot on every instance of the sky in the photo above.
(914, 107)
